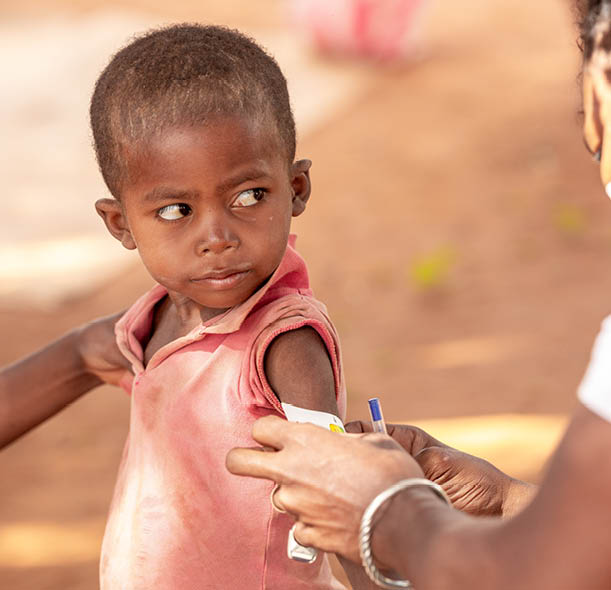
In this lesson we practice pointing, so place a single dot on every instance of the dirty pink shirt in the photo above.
(179, 520)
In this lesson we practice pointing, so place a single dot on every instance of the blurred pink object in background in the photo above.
(381, 29)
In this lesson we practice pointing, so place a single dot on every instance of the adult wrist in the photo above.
(383, 542)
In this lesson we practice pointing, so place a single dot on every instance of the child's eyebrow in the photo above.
(241, 177)
(163, 192)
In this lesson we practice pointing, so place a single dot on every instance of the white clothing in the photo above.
(595, 389)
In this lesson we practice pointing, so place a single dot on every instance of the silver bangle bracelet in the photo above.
(366, 529)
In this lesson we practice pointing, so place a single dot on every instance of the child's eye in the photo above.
(250, 197)
(173, 212)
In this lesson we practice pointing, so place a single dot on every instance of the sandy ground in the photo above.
(457, 233)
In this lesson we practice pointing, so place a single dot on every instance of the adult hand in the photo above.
(326, 479)
(474, 485)
(98, 350)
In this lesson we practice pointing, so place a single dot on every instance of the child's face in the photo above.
(209, 209)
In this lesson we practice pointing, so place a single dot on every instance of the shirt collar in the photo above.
(290, 276)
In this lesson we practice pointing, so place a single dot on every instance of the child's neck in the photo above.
(175, 316)
(186, 313)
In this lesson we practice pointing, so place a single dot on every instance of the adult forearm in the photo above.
(441, 549)
(38, 386)
(420, 538)
(560, 541)
(359, 580)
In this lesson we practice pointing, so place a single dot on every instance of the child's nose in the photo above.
(216, 238)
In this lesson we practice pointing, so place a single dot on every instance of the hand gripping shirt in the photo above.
(178, 519)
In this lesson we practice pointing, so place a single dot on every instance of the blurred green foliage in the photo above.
(432, 269)
(569, 219)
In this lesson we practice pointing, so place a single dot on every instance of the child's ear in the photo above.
(111, 211)
(300, 182)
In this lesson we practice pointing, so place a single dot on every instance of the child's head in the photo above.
(195, 139)
(184, 75)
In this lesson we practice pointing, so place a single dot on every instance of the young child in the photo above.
(195, 139)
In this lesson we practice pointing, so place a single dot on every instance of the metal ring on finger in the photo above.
(274, 505)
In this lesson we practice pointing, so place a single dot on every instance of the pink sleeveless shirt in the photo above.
(179, 520)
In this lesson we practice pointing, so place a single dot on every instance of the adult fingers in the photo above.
(271, 431)
(276, 500)
(253, 462)
(414, 439)
(327, 540)
(310, 536)
(275, 432)
(358, 427)
(306, 535)
(436, 461)
(411, 438)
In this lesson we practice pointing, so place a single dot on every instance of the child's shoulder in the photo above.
(139, 315)
(294, 354)
(289, 311)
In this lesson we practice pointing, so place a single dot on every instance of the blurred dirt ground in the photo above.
(457, 232)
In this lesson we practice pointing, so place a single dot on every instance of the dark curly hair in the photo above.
(588, 12)
(183, 75)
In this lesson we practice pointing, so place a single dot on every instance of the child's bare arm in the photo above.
(40, 385)
(298, 368)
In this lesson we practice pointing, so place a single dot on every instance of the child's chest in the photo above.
(165, 329)
(167, 325)
(158, 340)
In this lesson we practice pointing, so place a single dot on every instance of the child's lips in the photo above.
(223, 279)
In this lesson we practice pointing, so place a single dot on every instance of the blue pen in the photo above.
(377, 419)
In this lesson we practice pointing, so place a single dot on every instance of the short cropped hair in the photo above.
(183, 75)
